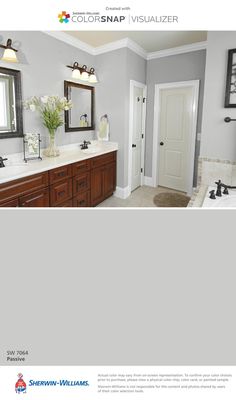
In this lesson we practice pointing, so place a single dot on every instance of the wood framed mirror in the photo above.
(11, 114)
(81, 116)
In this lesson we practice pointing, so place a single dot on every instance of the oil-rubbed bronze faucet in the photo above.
(84, 146)
(2, 162)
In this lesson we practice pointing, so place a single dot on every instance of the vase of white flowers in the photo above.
(51, 109)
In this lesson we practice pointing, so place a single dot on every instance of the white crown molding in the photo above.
(62, 36)
(106, 48)
(177, 50)
(119, 44)
(124, 43)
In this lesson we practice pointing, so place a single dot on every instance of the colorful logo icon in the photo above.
(64, 17)
(20, 386)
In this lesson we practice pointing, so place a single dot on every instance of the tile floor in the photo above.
(141, 197)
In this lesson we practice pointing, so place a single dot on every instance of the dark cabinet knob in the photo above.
(133, 145)
(161, 143)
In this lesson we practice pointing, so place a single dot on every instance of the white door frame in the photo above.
(134, 84)
(156, 131)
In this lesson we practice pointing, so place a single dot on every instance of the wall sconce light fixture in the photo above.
(83, 73)
(9, 54)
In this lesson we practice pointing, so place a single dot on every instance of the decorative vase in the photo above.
(51, 150)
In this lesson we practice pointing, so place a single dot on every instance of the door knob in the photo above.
(161, 143)
(133, 145)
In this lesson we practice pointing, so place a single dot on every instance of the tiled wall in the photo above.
(211, 170)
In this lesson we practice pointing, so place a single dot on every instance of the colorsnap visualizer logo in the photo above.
(94, 18)
(64, 17)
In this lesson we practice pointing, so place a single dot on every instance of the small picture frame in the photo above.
(230, 93)
(31, 142)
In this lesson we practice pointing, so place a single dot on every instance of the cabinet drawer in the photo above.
(10, 203)
(60, 192)
(22, 186)
(36, 199)
(58, 174)
(104, 159)
(81, 183)
(81, 167)
(68, 203)
(82, 200)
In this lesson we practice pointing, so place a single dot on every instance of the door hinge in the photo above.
(141, 170)
(142, 136)
(144, 99)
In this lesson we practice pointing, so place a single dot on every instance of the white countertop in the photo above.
(16, 168)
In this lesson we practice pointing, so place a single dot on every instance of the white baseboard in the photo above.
(122, 193)
(147, 180)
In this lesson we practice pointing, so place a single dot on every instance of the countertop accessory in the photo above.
(31, 142)
(51, 109)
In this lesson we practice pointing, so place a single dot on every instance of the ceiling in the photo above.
(150, 41)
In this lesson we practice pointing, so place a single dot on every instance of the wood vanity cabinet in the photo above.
(82, 184)
(103, 178)
(31, 191)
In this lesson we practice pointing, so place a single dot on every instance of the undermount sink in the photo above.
(90, 150)
(10, 170)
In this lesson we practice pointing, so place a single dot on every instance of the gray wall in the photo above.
(218, 138)
(43, 61)
(111, 100)
(182, 67)
(116, 69)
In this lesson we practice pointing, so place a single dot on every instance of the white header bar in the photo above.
(117, 15)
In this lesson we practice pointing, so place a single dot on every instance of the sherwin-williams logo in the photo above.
(20, 386)
(64, 17)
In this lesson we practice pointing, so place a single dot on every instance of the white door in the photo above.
(176, 113)
(137, 136)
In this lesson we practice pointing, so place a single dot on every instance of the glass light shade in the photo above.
(84, 76)
(93, 78)
(9, 55)
(76, 74)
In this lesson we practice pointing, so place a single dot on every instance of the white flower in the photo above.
(32, 107)
(44, 99)
(66, 108)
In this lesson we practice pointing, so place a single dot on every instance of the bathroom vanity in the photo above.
(74, 179)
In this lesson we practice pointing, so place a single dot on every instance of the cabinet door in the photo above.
(81, 183)
(67, 203)
(10, 203)
(82, 200)
(37, 199)
(97, 186)
(109, 179)
(60, 192)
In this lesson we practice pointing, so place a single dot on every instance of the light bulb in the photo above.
(93, 78)
(9, 55)
(84, 76)
(76, 74)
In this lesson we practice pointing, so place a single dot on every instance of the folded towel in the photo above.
(104, 128)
